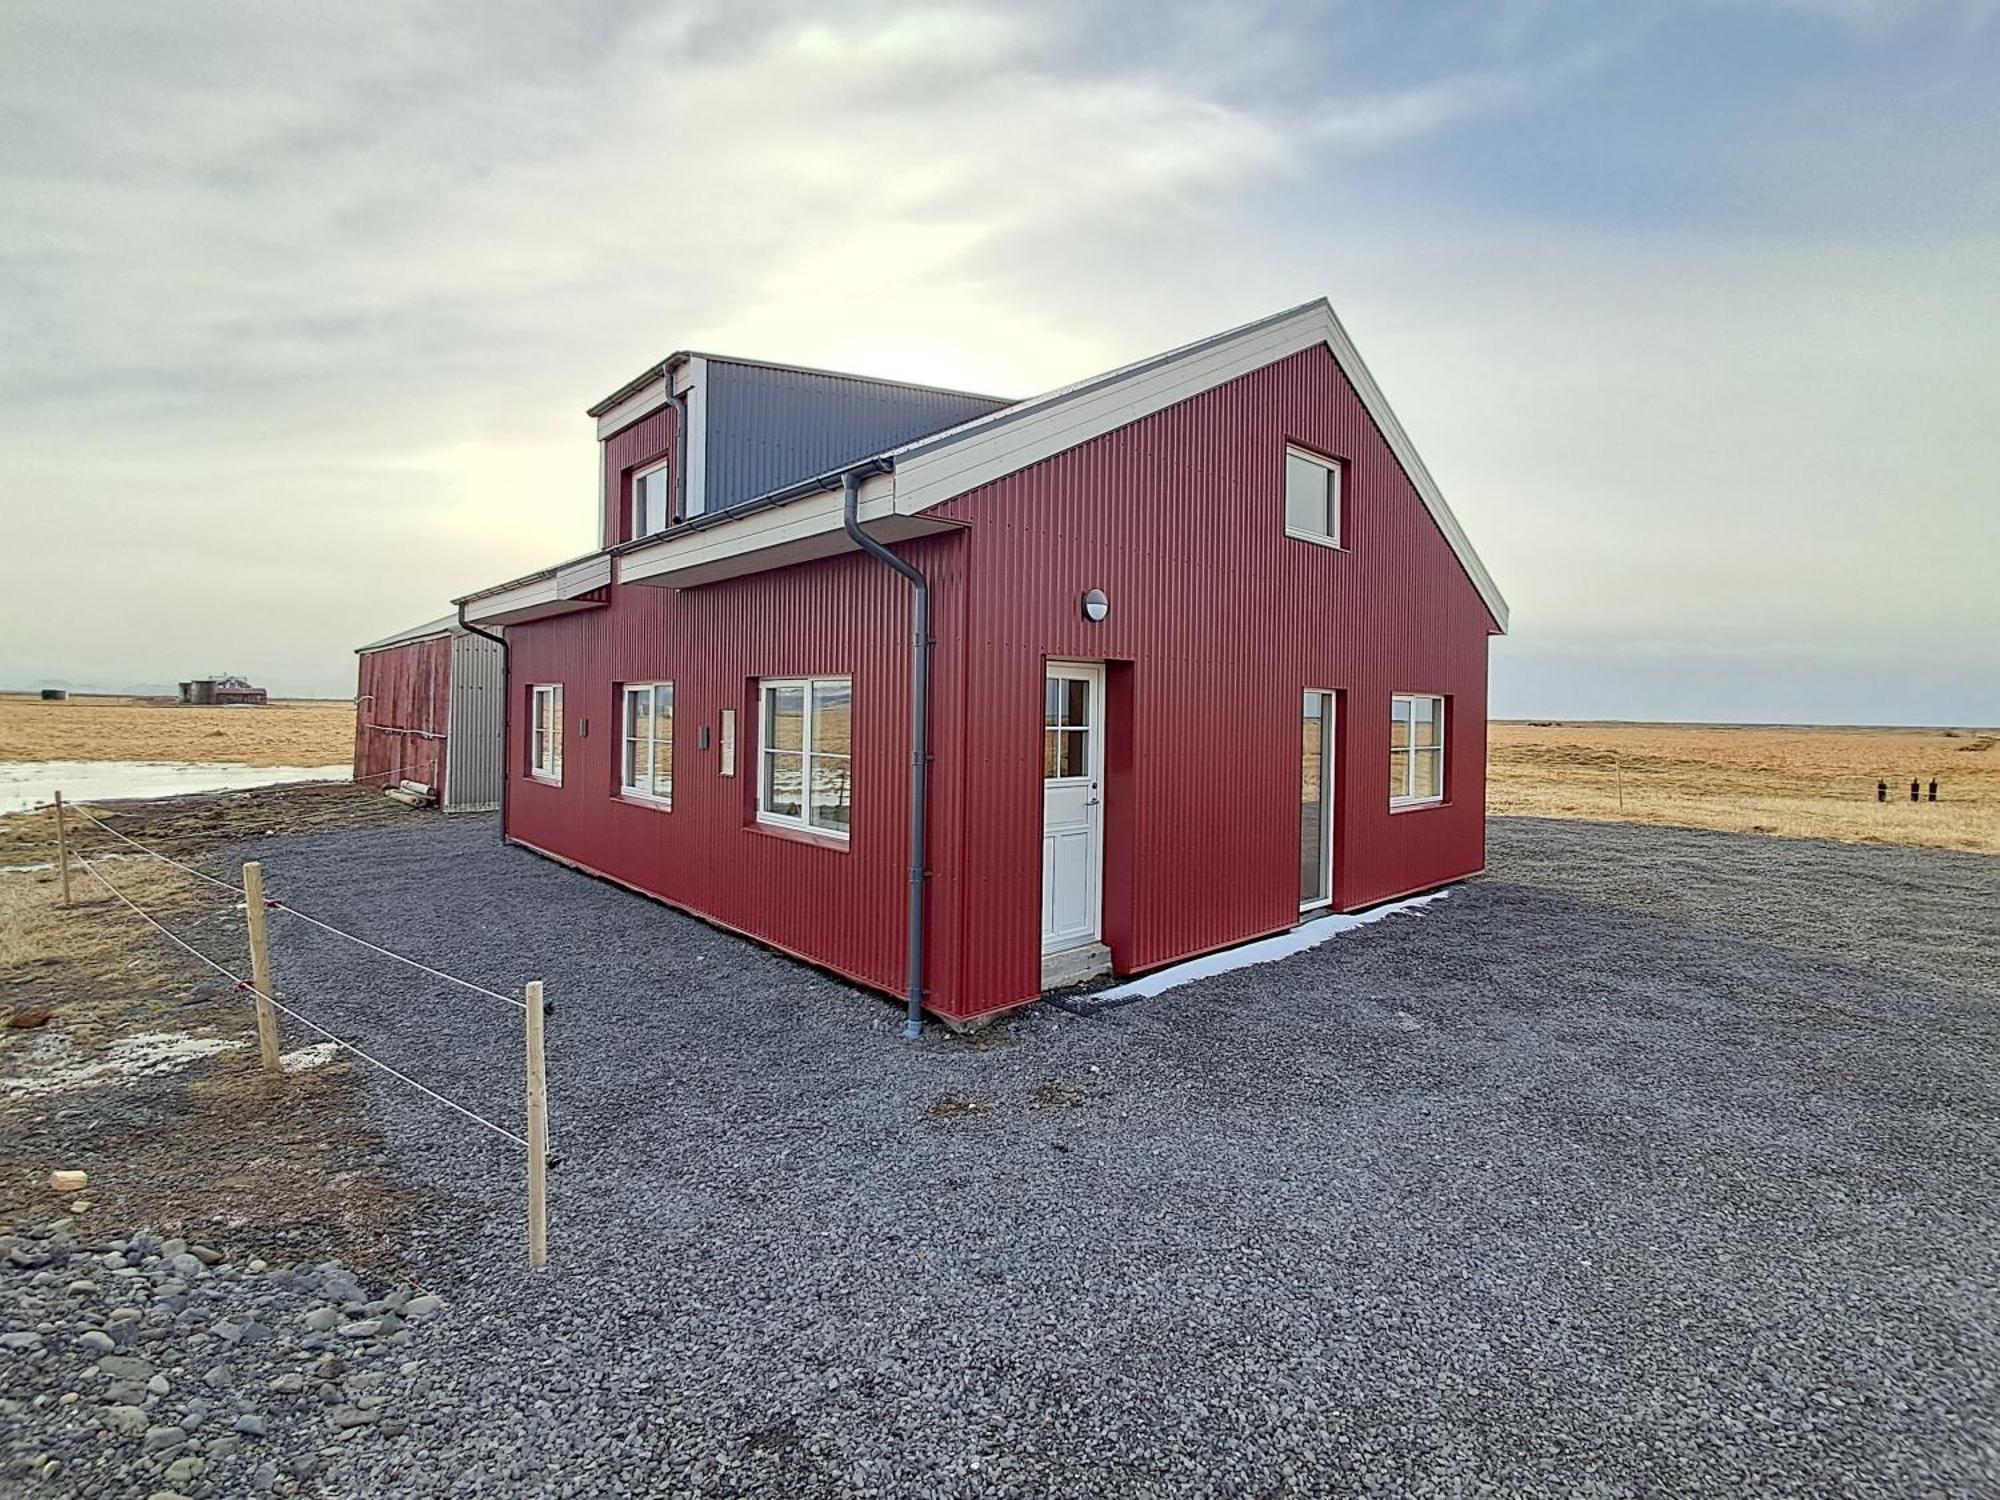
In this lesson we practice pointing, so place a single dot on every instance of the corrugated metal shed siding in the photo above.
(646, 441)
(770, 427)
(402, 712)
(1219, 622)
(847, 616)
(478, 703)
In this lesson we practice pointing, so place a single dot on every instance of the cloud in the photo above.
(299, 310)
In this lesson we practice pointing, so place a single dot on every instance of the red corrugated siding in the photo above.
(402, 711)
(1221, 622)
(843, 617)
(1218, 623)
(646, 441)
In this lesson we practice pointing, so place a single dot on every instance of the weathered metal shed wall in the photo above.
(473, 757)
(402, 712)
(1219, 622)
(769, 426)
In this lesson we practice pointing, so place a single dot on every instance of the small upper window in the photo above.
(1416, 749)
(805, 747)
(1312, 496)
(652, 500)
(646, 765)
(545, 733)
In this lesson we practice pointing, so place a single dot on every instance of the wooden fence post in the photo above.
(538, 1134)
(1619, 761)
(62, 848)
(260, 966)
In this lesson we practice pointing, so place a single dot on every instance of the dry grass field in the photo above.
(1800, 782)
(314, 732)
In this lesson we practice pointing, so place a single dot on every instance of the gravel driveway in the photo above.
(1654, 1162)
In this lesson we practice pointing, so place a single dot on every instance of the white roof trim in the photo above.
(944, 465)
(430, 630)
(553, 591)
(941, 467)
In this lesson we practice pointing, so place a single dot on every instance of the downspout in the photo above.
(920, 727)
(680, 406)
(506, 710)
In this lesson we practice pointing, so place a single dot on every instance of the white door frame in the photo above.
(1329, 771)
(1091, 785)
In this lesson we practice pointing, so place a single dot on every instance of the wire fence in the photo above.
(249, 896)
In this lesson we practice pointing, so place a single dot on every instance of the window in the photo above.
(1416, 749)
(805, 750)
(1065, 728)
(646, 762)
(1316, 800)
(1312, 496)
(545, 733)
(652, 500)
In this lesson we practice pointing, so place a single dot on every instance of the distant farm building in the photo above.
(222, 691)
(429, 708)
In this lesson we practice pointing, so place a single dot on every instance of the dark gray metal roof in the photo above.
(772, 425)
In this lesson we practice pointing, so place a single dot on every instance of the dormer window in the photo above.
(652, 499)
(1312, 496)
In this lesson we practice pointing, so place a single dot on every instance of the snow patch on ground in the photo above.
(51, 1065)
(1268, 950)
(305, 1059)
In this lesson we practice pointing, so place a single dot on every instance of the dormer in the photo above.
(701, 433)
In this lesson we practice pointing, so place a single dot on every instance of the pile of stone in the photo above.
(153, 1366)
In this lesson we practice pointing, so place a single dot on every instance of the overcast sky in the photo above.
(1693, 308)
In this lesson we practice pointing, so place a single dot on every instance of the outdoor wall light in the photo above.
(1095, 605)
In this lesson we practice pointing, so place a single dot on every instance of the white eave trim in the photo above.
(643, 402)
(761, 539)
(935, 470)
(558, 591)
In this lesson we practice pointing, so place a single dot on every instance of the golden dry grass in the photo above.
(1802, 783)
(313, 732)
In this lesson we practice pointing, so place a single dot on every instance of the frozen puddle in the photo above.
(30, 784)
(51, 1066)
(1268, 950)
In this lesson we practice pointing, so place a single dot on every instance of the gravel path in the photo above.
(1654, 1162)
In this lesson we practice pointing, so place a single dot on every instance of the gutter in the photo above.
(506, 709)
(920, 726)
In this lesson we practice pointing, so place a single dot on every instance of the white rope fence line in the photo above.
(246, 986)
(237, 890)
(164, 859)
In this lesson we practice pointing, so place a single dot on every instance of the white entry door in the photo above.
(1072, 805)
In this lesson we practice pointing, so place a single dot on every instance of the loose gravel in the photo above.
(1654, 1162)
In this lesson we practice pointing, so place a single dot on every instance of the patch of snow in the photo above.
(1308, 934)
(51, 1065)
(305, 1059)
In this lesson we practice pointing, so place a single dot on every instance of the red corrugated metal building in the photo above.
(1209, 660)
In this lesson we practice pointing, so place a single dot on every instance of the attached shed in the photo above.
(429, 707)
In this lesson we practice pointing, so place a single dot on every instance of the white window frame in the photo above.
(1405, 797)
(647, 788)
(1329, 709)
(635, 500)
(1336, 472)
(545, 732)
(803, 823)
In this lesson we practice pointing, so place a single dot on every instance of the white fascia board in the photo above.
(781, 525)
(558, 591)
(583, 575)
(933, 471)
(694, 463)
(530, 594)
(643, 402)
